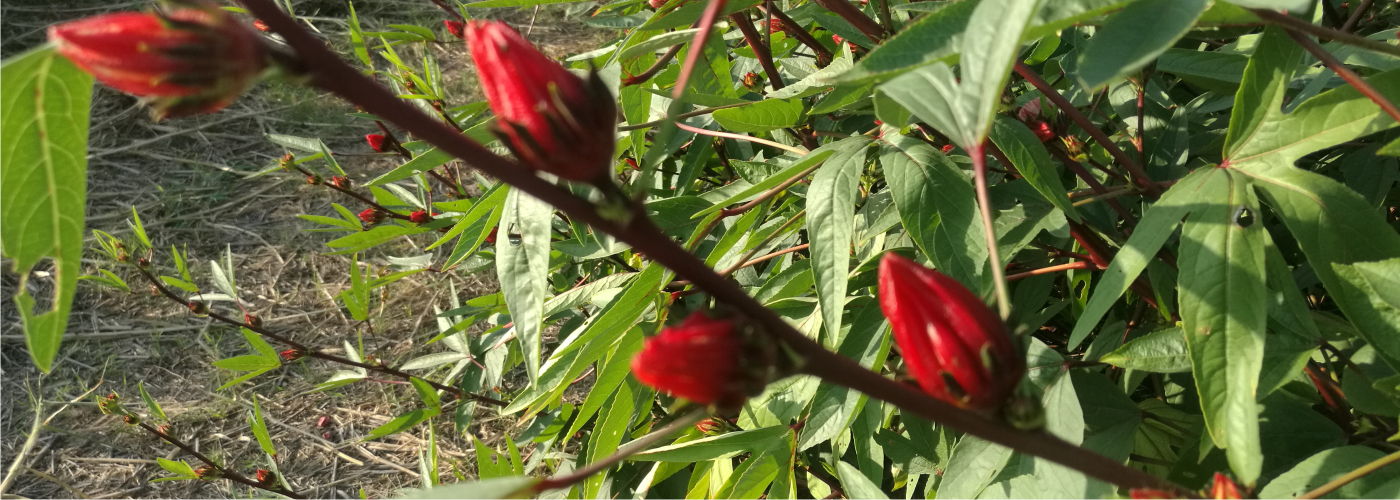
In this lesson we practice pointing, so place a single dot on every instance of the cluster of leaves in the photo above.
(1221, 298)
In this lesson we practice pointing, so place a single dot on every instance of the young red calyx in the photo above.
(550, 118)
(1042, 130)
(491, 238)
(265, 477)
(1150, 494)
(752, 81)
(260, 25)
(110, 404)
(631, 163)
(1221, 487)
(706, 360)
(947, 148)
(164, 429)
(775, 25)
(198, 308)
(252, 320)
(293, 354)
(376, 142)
(131, 419)
(712, 426)
(189, 58)
(371, 216)
(207, 472)
(314, 180)
(955, 346)
(340, 181)
(420, 217)
(456, 28)
(285, 162)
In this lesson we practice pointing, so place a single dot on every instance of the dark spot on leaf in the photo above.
(1244, 217)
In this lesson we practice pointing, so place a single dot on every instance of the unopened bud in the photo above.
(131, 419)
(293, 354)
(143, 262)
(947, 148)
(376, 141)
(252, 320)
(420, 217)
(265, 477)
(285, 163)
(313, 179)
(341, 182)
(198, 308)
(706, 360)
(371, 216)
(712, 426)
(260, 25)
(207, 472)
(456, 28)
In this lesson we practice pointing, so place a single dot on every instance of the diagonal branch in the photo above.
(1346, 73)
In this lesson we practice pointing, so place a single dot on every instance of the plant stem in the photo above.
(683, 116)
(760, 50)
(797, 31)
(854, 16)
(1346, 73)
(744, 262)
(740, 137)
(326, 70)
(656, 67)
(1093, 183)
(224, 473)
(1360, 472)
(160, 286)
(697, 46)
(1356, 16)
(1053, 269)
(984, 205)
(1117, 153)
(1285, 21)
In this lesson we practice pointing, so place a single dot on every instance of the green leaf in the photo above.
(938, 206)
(1135, 36)
(1031, 159)
(688, 13)
(179, 467)
(772, 181)
(521, 268)
(1375, 289)
(1162, 351)
(1224, 311)
(831, 205)
(755, 474)
(856, 484)
(379, 235)
(245, 363)
(834, 407)
(714, 447)
(151, 403)
(1152, 232)
(1262, 88)
(1331, 118)
(765, 115)
(427, 393)
(108, 278)
(261, 346)
(402, 423)
(613, 321)
(1329, 465)
(499, 487)
(608, 434)
(139, 229)
(255, 421)
(432, 158)
(611, 375)
(931, 94)
(989, 48)
(43, 185)
(974, 465)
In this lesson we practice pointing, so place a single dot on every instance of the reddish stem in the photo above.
(853, 15)
(1346, 73)
(760, 50)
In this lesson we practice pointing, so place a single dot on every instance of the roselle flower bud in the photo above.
(1150, 494)
(632, 163)
(285, 162)
(456, 28)
(293, 354)
(420, 217)
(110, 404)
(491, 238)
(164, 429)
(1221, 487)
(376, 142)
(752, 81)
(947, 148)
(191, 58)
(252, 320)
(340, 181)
(704, 360)
(1042, 130)
(131, 419)
(260, 25)
(712, 426)
(207, 472)
(265, 477)
(313, 180)
(198, 308)
(371, 216)
(954, 345)
(775, 25)
(551, 119)
(656, 4)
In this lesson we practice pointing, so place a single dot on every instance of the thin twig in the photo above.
(697, 46)
(683, 116)
(1053, 269)
(1272, 17)
(633, 448)
(225, 473)
(1346, 73)
(1356, 16)
(760, 50)
(656, 67)
(984, 205)
(741, 137)
(1347, 478)
(797, 31)
(1139, 175)
(854, 16)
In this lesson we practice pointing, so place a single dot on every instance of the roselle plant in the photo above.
(984, 248)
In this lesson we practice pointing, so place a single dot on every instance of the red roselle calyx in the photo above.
(371, 216)
(705, 360)
(456, 28)
(491, 238)
(260, 25)
(293, 354)
(1221, 487)
(775, 25)
(955, 346)
(265, 477)
(947, 148)
(376, 142)
(420, 217)
(550, 118)
(712, 426)
(207, 472)
(189, 58)
(340, 181)
(1042, 130)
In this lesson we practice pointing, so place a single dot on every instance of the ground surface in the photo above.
(188, 180)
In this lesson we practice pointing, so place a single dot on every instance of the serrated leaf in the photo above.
(521, 268)
(937, 204)
(1031, 159)
(762, 116)
(831, 205)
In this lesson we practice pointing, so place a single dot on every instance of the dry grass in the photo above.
(187, 179)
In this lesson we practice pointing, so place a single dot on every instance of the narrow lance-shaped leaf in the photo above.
(830, 223)
(522, 260)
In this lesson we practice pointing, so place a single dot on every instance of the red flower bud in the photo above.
(340, 181)
(631, 163)
(194, 58)
(1149, 494)
(285, 162)
(656, 4)
(491, 238)
(702, 359)
(751, 80)
(326, 435)
(420, 217)
(198, 308)
(164, 429)
(712, 426)
(376, 142)
(131, 419)
(775, 25)
(1042, 130)
(293, 354)
(260, 25)
(456, 28)
(265, 477)
(1223, 487)
(207, 472)
(550, 118)
(252, 320)
(947, 148)
(954, 345)
(371, 216)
